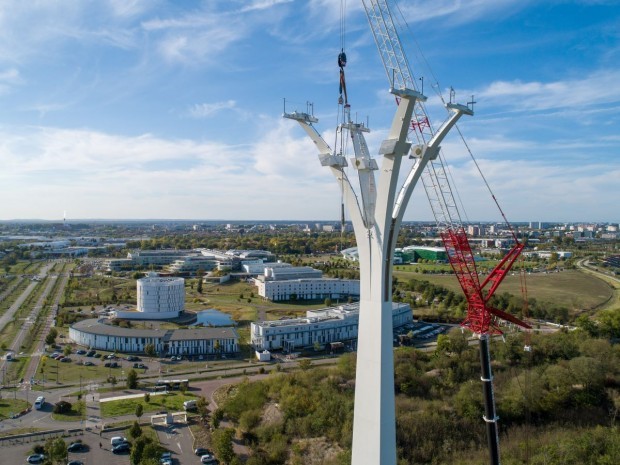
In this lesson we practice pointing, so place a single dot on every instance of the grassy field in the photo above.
(77, 413)
(170, 402)
(573, 289)
(239, 299)
(10, 406)
(97, 290)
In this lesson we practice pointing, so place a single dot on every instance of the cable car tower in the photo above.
(376, 208)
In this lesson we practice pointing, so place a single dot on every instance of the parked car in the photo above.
(97, 355)
(111, 365)
(121, 448)
(208, 459)
(200, 451)
(80, 352)
(90, 353)
(75, 462)
(166, 458)
(140, 365)
(89, 364)
(77, 447)
(116, 440)
(65, 359)
(133, 358)
(35, 458)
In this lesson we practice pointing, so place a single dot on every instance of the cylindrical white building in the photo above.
(160, 298)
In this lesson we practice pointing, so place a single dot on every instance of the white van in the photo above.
(116, 440)
(38, 404)
(189, 405)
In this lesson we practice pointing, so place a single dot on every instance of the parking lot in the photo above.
(177, 439)
(16, 454)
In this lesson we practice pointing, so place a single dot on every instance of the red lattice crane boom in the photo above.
(480, 315)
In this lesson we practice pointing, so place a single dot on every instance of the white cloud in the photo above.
(456, 12)
(597, 88)
(93, 174)
(8, 79)
(204, 110)
(263, 5)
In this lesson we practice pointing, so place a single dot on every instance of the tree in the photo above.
(222, 444)
(56, 450)
(202, 407)
(132, 379)
(51, 336)
(135, 431)
(62, 407)
(67, 350)
(147, 397)
(139, 410)
(149, 350)
(199, 288)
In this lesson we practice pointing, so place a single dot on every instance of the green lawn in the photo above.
(9, 406)
(573, 289)
(170, 402)
(77, 413)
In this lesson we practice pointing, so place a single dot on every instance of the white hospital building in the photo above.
(337, 324)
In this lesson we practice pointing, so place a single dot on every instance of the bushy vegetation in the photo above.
(557, 405)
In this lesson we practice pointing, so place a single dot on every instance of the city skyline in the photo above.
(155, 110)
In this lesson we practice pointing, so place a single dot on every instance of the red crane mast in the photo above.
(482, 318)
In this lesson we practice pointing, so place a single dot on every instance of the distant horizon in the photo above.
(287, 221)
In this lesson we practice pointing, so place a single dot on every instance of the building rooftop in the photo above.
(97, 326)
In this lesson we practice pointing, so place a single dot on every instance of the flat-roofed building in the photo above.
(308, 289)
(257, 267)
(191, 264)
(159, 257)
(291, 272)
(334, 324)
(95, 334)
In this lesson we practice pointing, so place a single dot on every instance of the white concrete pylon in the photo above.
(376, 216)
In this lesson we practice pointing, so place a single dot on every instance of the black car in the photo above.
(75, 462)
(121, 448)
(200, 451)
(77, 447)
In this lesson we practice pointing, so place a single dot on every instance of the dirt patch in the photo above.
(314, 451)
(272, 414)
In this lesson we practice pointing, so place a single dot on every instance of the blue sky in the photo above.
(172, 109)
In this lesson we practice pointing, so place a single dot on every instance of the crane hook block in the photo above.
(342, 59)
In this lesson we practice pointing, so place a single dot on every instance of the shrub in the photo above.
(62, 407)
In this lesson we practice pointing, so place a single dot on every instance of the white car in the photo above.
(208, 459)
(38, 458)
(166, 458)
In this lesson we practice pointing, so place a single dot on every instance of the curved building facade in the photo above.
(158, 299)
(95, 334)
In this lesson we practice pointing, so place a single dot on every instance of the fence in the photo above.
(38, 436)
